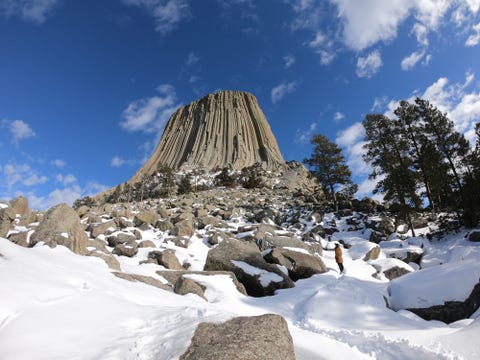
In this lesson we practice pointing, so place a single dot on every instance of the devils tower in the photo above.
(227, 128)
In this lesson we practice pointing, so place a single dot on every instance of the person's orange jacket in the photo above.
(338, 255)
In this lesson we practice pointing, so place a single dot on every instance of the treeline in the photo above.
(418, 157)
(419, 160)
(165, 182)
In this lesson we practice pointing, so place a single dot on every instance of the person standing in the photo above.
(339, 257)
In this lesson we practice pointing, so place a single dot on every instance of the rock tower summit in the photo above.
(227, 128)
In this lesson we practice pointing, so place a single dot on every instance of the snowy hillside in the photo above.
(59, 305)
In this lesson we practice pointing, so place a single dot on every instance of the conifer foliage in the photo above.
(419, 157)
(328, 165)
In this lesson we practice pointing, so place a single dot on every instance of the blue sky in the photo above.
(86, 87)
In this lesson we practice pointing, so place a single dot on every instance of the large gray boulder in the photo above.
(61, 226)
(120, 238)
(145, 218)
(183, 228)
(285, 241)
(264, 337)
(174, 276)
(299, 264)
(97, 229)
(19, 205)
(187, 286)
(166, 258)
(7, 215)
(246, 262)
(128, 249)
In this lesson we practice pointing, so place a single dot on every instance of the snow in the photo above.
(58, 305)
(265, 277)
(433, 286)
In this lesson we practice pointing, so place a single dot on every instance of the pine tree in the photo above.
(409, 127)
(166, 178)
(329, 166)
(472, 187)
(391, 164)
(185, 185)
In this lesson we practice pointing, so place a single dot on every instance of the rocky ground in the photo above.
(263, 239)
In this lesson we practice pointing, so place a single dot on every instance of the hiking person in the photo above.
(339, 257)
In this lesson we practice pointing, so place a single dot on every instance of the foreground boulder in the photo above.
(262, 337)
(246, 262)
(61, 226)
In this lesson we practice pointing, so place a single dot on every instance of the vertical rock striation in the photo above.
(227, 128)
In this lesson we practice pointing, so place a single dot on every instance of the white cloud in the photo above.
(150, 115)
(362, 24)
(338, 116)
(324, 47)
(67, 194)
(306, 135)
(117, 161)
(379, 103)
(369, 65)
(369, 21)
(35, 11)
(350, 135)
(421, 33)
(289, 60)
(366, 187)
(166, 13)
(192, 59)
(59, 163)
(279, 91)
(474, 39)
(66, 179)
(18, 129)
(34, 179)
(21, 174)
(411, 60)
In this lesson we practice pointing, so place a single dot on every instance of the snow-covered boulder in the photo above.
(391, 268)
(360, 248)
(255, 337)
(128, 249)
(437, 286)
(402, 250)
(246, 262)
(474, 236)
(299, 262)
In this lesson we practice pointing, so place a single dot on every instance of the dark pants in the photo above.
(340, 266)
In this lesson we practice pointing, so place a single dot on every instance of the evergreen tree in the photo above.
(450, 143)
(391, 164)
(185, 185)
(329, 166)
(408, 125)
(225, 179)
(166, 180)
(472, 187)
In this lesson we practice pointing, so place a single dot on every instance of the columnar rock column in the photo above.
(227, 128)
